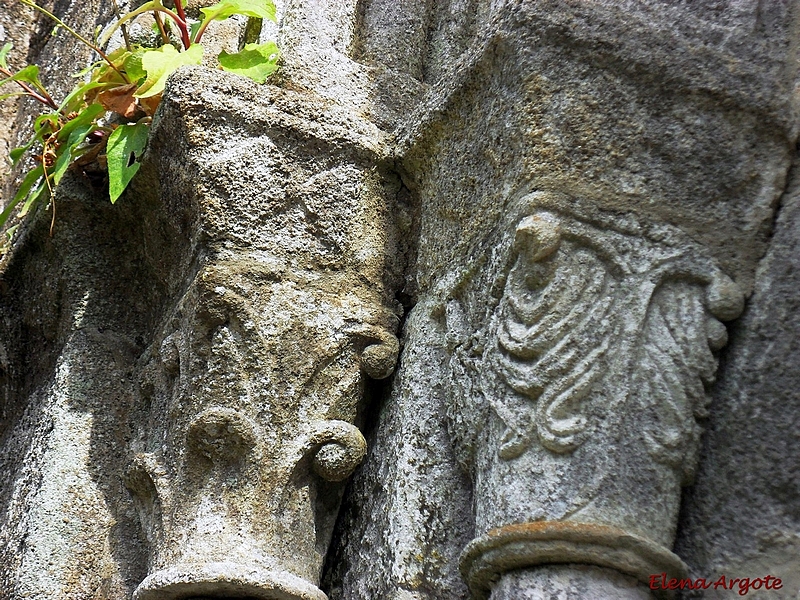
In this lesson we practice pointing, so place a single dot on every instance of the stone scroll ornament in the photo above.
(254, 388)
(576, 404)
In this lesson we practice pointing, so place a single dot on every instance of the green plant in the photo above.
(104, 121)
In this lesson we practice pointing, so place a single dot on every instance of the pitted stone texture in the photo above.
(567, 583)
(16, 22)
(742, 517)
(68, 528)
(597, 104)
(322, 48)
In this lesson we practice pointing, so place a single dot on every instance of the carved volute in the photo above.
(254, 390)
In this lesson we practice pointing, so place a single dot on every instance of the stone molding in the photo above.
(182, 581)
(522, 545)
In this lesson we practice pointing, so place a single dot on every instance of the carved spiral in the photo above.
(221, 434)
(378, 360)
(340, 448)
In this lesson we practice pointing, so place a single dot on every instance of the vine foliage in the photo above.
(104, 122)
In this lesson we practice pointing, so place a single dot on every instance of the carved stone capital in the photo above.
(577, 400)
(255, 382)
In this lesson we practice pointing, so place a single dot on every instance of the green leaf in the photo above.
(17, 153)
(44, 125)
(37, 194)
(118, 56)
(12, 94)
(256, 61)
(87, 116)
(124, 148)
(67, 152)
(193, 28)
(4, 53)
(264, 9)
(75, 99)
(252, 31)
(29, 74)
(24, 189)
(82, 73)
(64, 155)
(7, 212)
(31, 178)
(133, 65)
(161, 63)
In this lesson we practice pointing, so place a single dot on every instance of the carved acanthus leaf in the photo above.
(590, 314)
(673, 366)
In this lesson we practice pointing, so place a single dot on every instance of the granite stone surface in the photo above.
(472, 300)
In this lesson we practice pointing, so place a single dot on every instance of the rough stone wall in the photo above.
(741, 516)
(561, 207)
(30, 34)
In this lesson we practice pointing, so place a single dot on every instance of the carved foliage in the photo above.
(253, 391)
(593, 315)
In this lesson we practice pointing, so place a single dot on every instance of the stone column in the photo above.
(255, 382)
(588, 226)
(576, 406)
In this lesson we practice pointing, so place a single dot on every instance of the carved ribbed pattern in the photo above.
(671, 369)
(592, 315)
(542, 337)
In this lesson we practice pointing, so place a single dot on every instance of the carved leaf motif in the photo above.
(673, 367)
(551, 336)
(587, 313)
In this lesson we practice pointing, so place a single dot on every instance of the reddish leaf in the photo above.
(120, 100)
(150, 104)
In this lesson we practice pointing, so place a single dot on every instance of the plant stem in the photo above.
(155, 6)
(160, 23)
(252, 31)
(44, 97)
(123, 27)
(49, 189)
(76, 35)
(53, 219)
(184, 30)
